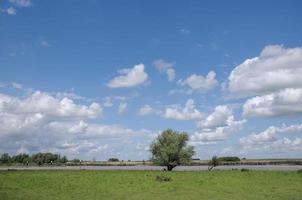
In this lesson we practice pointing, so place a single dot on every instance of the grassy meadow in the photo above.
(143, 185)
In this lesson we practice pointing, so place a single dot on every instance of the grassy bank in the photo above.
(143, 185)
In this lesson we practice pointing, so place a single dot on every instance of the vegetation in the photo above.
(39, 159)
(170, 149)
(213, 163)
(113, 160)
(163, 178)
(229, 159)
(137, 185)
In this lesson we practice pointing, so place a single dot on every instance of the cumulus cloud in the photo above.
(188, 112)
(184, 31)
(274, 69)
(122, 107)
(200, 83)
(221, 115)
(129, 77)
(145, 110)
(217, 134)
(41, 121)
(11, 11)
(45, 43)
(269, 135)
(109, 100)
(165, 68)
(48, 105)
(21, 3)
(80, 127)
(284, 102)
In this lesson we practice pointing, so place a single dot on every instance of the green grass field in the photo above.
(141, 185)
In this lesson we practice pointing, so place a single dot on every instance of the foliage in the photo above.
(48, 158)
(170, 149)
(229, 159)
(138, 185)
(113, 159)
(213, 163)
(20, 158)
(39, 158)
(5, 158)
(163, 178)
(244, 170)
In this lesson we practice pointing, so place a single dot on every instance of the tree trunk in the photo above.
(170, 167)
(210, 168)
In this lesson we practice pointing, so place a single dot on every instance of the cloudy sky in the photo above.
(100, 79)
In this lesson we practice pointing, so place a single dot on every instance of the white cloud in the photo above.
(109, 100)
(217, 134)
(284, 102)
(16, 85)
(145, 110)
(21, 3)
(11, 11)
(13, 85)
(81, 127)
(129, 77)
(188, 112)
(184, 31)
(45, 43)
(122, 107)
(42, 122)
(283, 147)
(221, 115)
(165, 67)
(44, 103)
(200, 83)
(14, 124)
(274, 69)
(269, 135)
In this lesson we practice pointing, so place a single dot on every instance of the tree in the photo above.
(213, 163)
(5, 158)
(170, 149)
(113, 160)
(20, 158)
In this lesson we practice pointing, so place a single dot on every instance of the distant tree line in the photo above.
(38, 158)
(113, 160)
(229, 159)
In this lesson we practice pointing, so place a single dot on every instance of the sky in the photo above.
(100, 79)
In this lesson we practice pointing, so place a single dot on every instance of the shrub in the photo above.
(113, 160)
(163, 178)
(245, 170)
(299, 171)
(229, 159)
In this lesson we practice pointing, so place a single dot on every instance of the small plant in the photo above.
(213, 163)
(244, 170)
(163, 178)
(299, 171)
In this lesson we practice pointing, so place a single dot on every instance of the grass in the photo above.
(142, 185)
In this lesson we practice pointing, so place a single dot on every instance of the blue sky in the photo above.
(100, 79)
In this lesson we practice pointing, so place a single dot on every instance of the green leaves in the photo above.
(170, 148)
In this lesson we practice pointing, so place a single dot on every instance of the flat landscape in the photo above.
(86, 184)
(157, 168)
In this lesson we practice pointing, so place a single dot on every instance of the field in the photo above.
(143, 185)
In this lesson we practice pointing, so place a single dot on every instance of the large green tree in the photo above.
(170, 149)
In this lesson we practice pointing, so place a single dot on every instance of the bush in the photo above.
(163, 178)
(245, 170)
(229, 159)
(113, 160)
(299, 171)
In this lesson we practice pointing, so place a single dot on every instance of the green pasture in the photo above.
(143, 185)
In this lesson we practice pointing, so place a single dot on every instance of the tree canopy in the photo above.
(170, 149)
